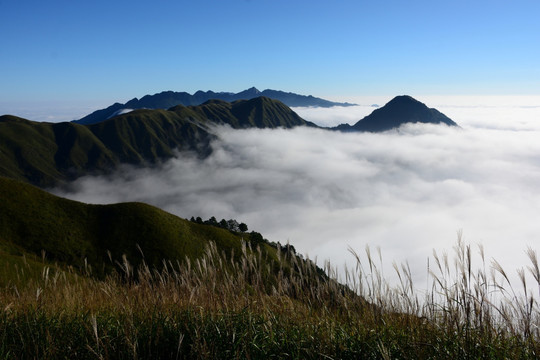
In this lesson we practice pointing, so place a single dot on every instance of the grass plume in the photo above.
(250, 306)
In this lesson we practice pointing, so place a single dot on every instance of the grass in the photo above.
(217, 307)
(76, 234)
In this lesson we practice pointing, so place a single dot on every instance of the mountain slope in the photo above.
(42, 153)
(151, 135)
(400, 110)
(260, 112)
(70, 232)
(168, 99)
(46, 153)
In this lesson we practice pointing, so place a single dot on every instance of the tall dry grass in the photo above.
(218, 307)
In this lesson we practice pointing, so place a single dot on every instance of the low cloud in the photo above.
(333, 116)
(406, 191)
(50, 111)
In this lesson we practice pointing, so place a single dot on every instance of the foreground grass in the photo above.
(253, 309)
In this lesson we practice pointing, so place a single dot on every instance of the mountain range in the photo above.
(46, 154)
(168, 99)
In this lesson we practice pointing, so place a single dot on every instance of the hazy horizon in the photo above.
(59, 111)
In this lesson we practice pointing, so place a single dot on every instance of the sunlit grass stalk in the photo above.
(251, 306)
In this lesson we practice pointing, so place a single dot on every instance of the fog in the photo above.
(329, 117)
(50, 111)
(407, 191)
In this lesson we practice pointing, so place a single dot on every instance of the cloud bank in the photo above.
(50, 111)
(406, 191)
(330, 117)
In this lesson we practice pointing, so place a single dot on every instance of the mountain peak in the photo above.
(405, 100)
(398, 111)
(249, 93)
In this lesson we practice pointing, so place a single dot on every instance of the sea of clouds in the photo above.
(407, 191)
(50, 111)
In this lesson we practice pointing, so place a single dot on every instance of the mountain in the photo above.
(260, 112)
(168, 99)
(45, 154)
(73, 233)
(400, 110)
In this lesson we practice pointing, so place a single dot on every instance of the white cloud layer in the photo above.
(50, 111)
(330, 117)
(408, 192)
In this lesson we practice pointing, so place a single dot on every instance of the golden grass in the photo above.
(216, 307)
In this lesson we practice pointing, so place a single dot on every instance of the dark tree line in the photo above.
(231, 225)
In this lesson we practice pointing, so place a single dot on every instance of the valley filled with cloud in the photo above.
(407, 191)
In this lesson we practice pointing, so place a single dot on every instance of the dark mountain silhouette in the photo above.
(168, 99)
(47, 153)
(400, 110)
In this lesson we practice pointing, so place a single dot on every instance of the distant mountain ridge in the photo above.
(168, 99)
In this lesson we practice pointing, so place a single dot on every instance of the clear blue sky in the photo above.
(72, 50)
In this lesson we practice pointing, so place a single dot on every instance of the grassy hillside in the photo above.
(232, 301)
(45, 154)
(260, 112)
(70, 232)
(28, 150)
(151, 135)
(198, 311)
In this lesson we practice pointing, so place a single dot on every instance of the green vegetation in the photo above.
(45, 154)
(198, 310)
(260, 112)
(84, 235)
(129, 281)
(231, 225)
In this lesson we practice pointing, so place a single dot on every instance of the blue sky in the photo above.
(106, 51)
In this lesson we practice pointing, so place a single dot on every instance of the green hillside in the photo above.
(70, 232)
(260, 112)
(151, 135)
(45, 154)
